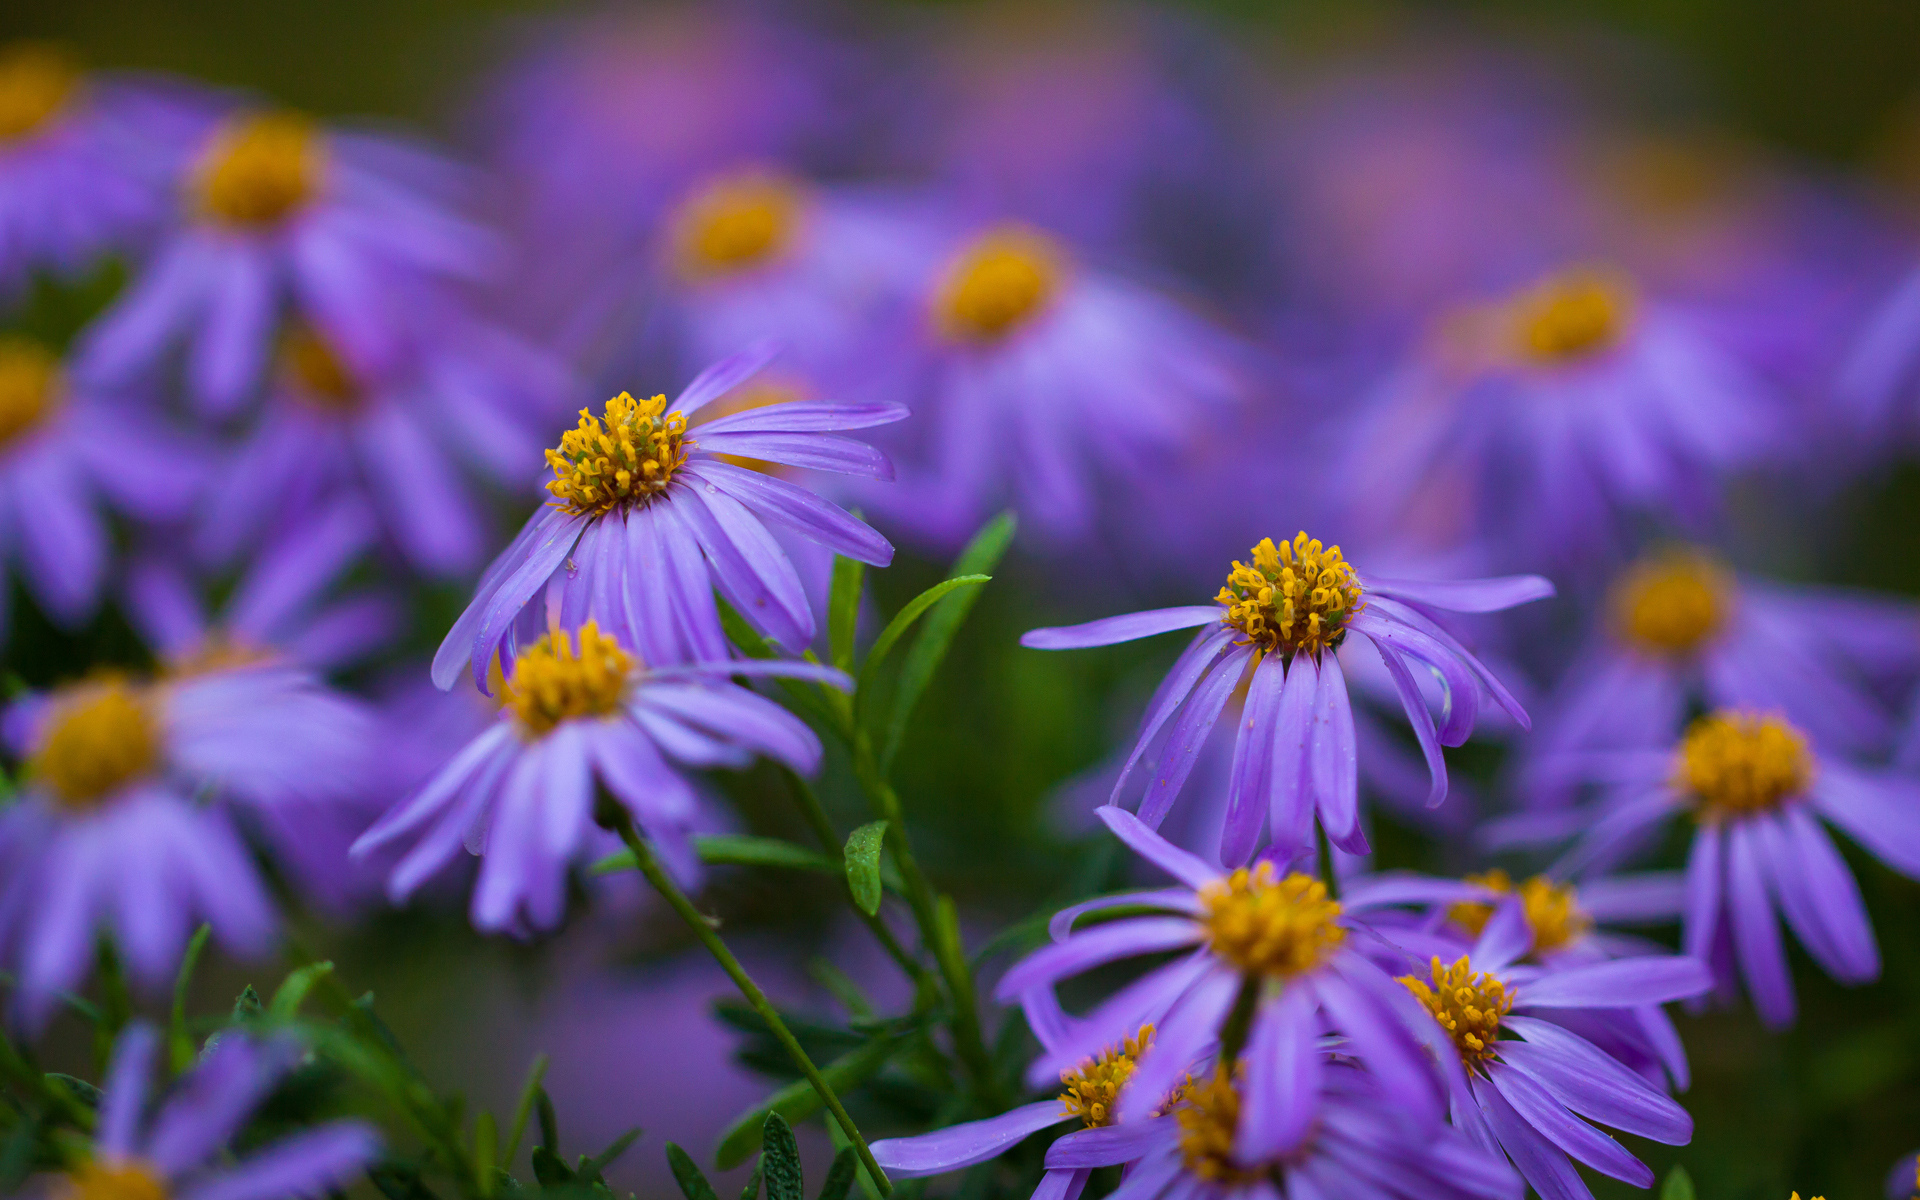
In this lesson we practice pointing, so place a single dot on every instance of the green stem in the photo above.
(1326, 859)
(703, 929)
(816, 815)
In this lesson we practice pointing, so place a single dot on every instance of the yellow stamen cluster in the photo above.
(1467, 1005)
(1796, 1196)
(37, 82)
(1576, 314)
(1734, 763)
(628, 454)
(1092, 1088)
(96, 1180)
(31, 384)
(1006, 277)
(1296, 596)
(736, 224)
(1671, 604)
(1552, 910)
(553, 682)
(259, 169)
(1265, 925)
(99, 736)
(1208, 1119)
(316, 372)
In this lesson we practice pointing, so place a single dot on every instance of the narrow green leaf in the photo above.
(536, 1075)
(549, 1169)
(590, 1169)
(904, 619)
(179, 1041)
(486, 1145)
(293, 992)
(780, 1160)
(1678, 1185)
(797, 1101)
(862, 857)
(247, 1004)
(737, 850)
(83, 1091)
(752, 1190)
(687, 1173)
(844, 989)
(980, 557)
(843, 608)
(549, 1124)
(840, 1175)
(843, 1145)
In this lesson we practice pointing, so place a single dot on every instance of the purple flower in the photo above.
(581, 714)
(1876, 387)
(648, 519)
(1755, 790)
(1251, 936)
(351, 234)
(64, 450)
(1520, 1080)
(111, 831)
(1277, 621)
(179, 1150)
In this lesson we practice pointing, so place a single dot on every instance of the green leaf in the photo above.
(693, 1182)
(797, 1101)
(549, 1169)
(179, 1041)
(591, 1168)
(752, 1190)
(536, 1074)
(293, 992)
(862, 857)
(486, 1145)
(247, 1005)
(843, 1145)
(840, 1175)
(736, 850)
(83, 1091)
(1678, 1185)
(397, 1182)
(780, 1160)
(844, 989)
(904, 619)
(843, 608)
(981, 556)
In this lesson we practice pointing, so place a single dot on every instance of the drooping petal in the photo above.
(311, 1163)
(964, 1145)
(1283, 1069)
(1592, 1082)
(1539, 1109)
(1464, 595)
(1756, 934)
(1183, 865)
(1097, 946)
(1541, 1163)
(1129, 627)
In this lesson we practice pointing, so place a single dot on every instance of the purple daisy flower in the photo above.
(648, 519)
(1277, 621)
(64, 450)
(111, 832)
(521, 795)
(1756, 791)
(350, 233)
(179, 1150)
(1254, 936)
(1520, 1080)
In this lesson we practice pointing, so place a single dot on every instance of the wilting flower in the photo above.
(180, 1150)
(1755, 789)
(1522, 1079)
(1262, 933)
(582, 713)
(1278, 620)
(351, 233)
(110, 832)
(647, 519)
(62, 451)
(1564, 414)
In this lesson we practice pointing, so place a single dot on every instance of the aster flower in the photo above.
(63, 451)
(1277, 621)
(179, 1150)
(1521, 1080)
(647, 519)
(125, 820)
(1757, 793)
(353, 234)
(582, 714)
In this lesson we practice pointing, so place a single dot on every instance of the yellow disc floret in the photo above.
(31, 384)
(1733, 763)
(99, 736)
(318, 375)
(1467, 1005)
(1552, 910)
(1095, 1084)
(37, 83)
(628, 454)
(553, 682)
(1295, 596)
(1577, 314)
(259, 169)
(1004, 279)
(1672, 603)
(1209, 1118)
(736, 224)
(1266, 925)
(96, 1180)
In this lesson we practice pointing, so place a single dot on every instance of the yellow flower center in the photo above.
(96, 1180)
(1265, 925)
(1209, 1117)
(1095, 1085)
(99, 736)
(1005, 278)
(37, 82)
(1295, 596)
(627, 455)
(1467, 1005)
(31, 384)
(1672, 603)
(258, 169)
(1734, 763)
(1576, 314)
(318, 376)
(552, 682)
(1552, 910)
(736, 224)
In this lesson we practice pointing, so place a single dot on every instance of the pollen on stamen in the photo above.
(1672, 603)
(1092, 1088)
(37, 83)
(31, 385)
(628, 454)
(1209, 1119)
(1734, 764)
(1552, 909)
(124, 1180)
(565, 678)
(1571, 316)
(1469, 1005)
(1269, 926)
(259, 169)
(735, 224)
(100, 735)
(1000, 282)
(1295, 596)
